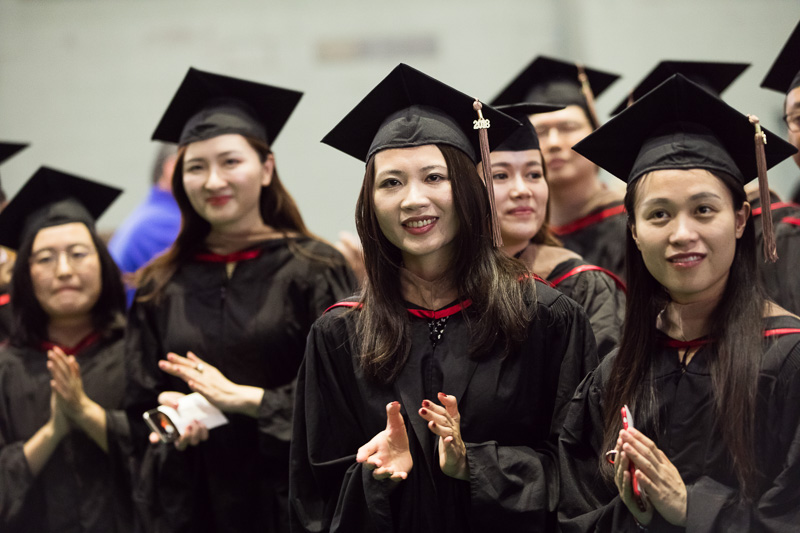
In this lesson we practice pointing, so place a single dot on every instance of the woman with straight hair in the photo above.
(64, 440)
(522, 203)
(225, 313)
(708, 371)
(433, 401)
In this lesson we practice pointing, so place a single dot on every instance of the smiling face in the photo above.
(65, 270)
(521, 193)
(223, 177)
(686, 229)
(414, 204)
(558, 132)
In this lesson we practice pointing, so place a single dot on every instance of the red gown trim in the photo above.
(235, 257)
(86, 342)
(773, 207)
(589, 268)
(588, 220)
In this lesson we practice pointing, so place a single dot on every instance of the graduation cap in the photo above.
(680, 125)
(553, 81)
(51, 198)
(524, 138)
(207, 105)
(409, 108)
(784, 75)
(8, 150)
(714, 76)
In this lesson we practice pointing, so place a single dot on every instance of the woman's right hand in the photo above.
(622, 478)
(59, 422)
(192, 435)
(387, 454)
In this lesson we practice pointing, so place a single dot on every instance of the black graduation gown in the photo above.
(599, 237)
(81, 488)
(692, 442)
(780, 279)
(511, 413)
(6, 320)
(253, 328)
(600, 293)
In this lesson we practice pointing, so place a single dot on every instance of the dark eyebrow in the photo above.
(699, 196)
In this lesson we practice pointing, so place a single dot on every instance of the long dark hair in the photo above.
(30, 320)
(278, 210)
(496, 284)
(735, 353)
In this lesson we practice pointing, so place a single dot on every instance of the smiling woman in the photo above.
(225, 312)
(63, 437)
(707, 365)
(433, 402)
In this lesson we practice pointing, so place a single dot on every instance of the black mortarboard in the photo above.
(409, 108)
(51, 198)
(714, 76)
(524, 138)
(8, 150)
(679, 125)
(207, 105)
(553, 81)
(784, 75)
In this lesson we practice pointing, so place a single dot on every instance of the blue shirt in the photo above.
(147, 232)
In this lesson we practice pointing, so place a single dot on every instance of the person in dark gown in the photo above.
(522, 204)
(433, 401)
(585, 214)
(780, 278)
(709, 368)
(225, 312)
(64, 441)
(7, 150)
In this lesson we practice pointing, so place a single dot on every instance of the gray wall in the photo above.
(85, 81)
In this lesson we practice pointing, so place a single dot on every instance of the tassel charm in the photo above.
(482, 125)
(586, 89)
(768, 230)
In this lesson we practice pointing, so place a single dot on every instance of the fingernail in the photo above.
(423, 411)
(395, 403)
(426, 403)
(443, 395)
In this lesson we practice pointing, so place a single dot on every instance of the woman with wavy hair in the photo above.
(225, 312)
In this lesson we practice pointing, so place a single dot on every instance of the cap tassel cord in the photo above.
(586, 89)
(630, 98)
(482, 125)
(768, 231)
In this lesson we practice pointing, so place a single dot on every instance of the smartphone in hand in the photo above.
(627, 423)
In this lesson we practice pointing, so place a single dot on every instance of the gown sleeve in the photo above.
(328, 284)
(713, 506)
(604, 303)
(16, 477)
(328, 490)
(517, 486)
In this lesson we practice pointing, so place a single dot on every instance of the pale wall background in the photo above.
(85, 81)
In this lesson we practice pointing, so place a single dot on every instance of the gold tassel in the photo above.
(586, 89)
(767, 229)
(482, 125)
(630, 98)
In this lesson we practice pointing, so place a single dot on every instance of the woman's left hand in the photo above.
(67, 382)
(445, 421)
(657, 475)
(209, 381)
